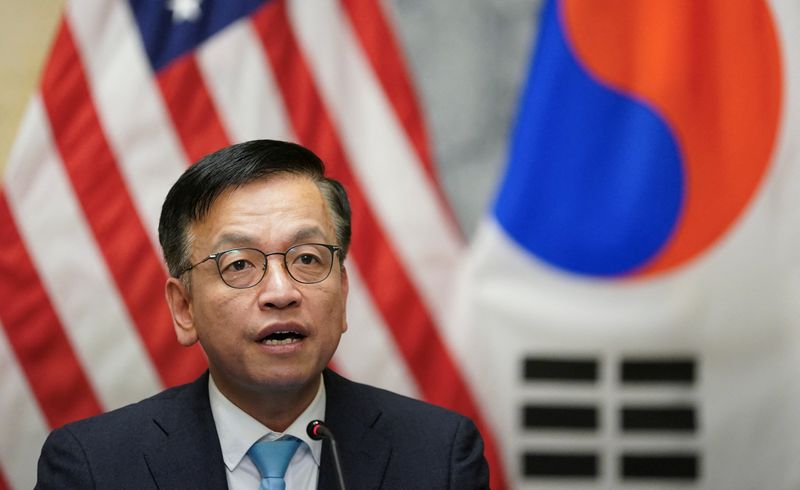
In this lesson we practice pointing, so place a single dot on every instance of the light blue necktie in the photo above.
(272, 458)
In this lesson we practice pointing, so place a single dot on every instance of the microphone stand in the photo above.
(317, 430)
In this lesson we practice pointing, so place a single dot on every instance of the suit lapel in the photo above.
(188, 455)
(365, 453)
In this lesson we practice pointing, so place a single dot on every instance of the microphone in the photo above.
(318, 431)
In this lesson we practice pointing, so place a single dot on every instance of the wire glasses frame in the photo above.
(242, 268)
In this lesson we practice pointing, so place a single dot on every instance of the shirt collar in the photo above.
(238, 431)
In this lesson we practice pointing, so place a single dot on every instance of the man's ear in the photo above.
(179, 300)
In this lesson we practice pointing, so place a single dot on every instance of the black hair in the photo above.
(191, 197)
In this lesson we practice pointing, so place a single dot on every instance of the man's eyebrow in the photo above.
(234, 240)
(238, 240)
(308, 233)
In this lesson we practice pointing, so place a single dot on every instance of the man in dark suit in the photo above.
(255, 237)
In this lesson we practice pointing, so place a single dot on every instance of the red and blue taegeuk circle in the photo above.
(645, 129)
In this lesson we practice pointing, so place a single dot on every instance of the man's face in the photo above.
(232, 324)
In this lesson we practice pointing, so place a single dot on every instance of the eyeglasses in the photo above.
(243, 268)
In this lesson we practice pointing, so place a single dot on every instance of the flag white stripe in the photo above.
(64, 252)
(382, 157)
(243, 88)
(367, 352)
(24, 426)
(129, 104)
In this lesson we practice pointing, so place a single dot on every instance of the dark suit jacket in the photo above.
(170, 441)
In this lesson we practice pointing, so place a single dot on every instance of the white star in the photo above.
(184, 10)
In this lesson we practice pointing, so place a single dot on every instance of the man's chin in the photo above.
(287, 381)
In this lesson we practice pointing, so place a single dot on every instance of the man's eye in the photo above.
(238, 265)
(308, 259)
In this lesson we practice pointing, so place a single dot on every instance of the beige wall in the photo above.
(26, 30)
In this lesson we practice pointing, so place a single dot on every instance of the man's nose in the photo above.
(278, 289)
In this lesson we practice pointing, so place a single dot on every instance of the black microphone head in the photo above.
(316, 430)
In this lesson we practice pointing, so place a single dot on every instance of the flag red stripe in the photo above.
(109, 210)
(402, 308)
(36, 335)
(379, 43)
(192, 110)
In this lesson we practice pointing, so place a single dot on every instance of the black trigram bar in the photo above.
(661, 371)
(560, 465)
(666, 466)
(660, 419)
(565, 369)
(560, 417)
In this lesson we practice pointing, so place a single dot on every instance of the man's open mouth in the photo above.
(282, 338)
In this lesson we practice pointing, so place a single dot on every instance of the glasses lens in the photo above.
(309, 263)
(241, 268)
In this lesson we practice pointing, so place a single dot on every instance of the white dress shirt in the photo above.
(238, 431)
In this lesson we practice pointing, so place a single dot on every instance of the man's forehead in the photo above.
(280, 184)
(250, 238)
(281, 210)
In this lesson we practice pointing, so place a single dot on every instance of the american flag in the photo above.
(133, 92)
